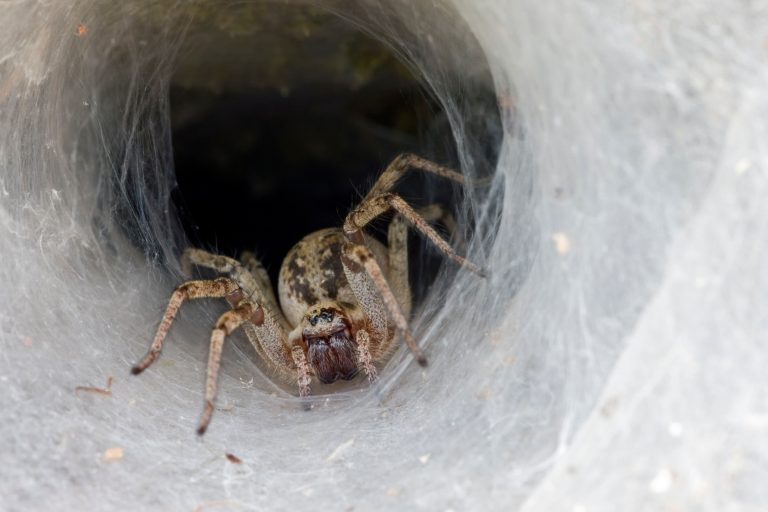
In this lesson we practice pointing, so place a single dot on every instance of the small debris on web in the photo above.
(215, 504)
(562, 243)
(675, 429)
(662, 482)
(107, 391)
(743, 166)
(335, 454)
(425, 458)
(114, 453)
(610, 406)
(484, 394)
(81, 30)
(234, 459)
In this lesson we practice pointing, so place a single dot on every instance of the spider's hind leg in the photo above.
(239, 272)
(397, 276)
(397, 244)
(248, 273)
(437, 212)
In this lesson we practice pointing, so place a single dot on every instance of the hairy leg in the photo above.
(401, 164)
(397, 271)
(372, 207)
(245, 311)
(256, 269)
(437, 212)
(248, 274)
(221, 287)
(364, 356)
(302, 369)
(262, 326)
(269, 336)
(358, 257)
(361, 267)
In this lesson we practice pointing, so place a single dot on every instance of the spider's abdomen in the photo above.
(312, 272)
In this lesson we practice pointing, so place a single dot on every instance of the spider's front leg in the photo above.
(221, 287)
(262, 325)
(245, 311)
(270, 339)
(270, 342)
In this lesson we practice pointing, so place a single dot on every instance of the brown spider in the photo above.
(343, 294)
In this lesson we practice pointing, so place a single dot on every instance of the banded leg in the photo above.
(248, 274)
(256, 269)
(303, 371)
(364, 356)
(220, 263)
(397, 276)
(372, 207)
(268, 337)
(397, 245)
(262, 326)
(401, 164)
(245, 311)
(221, 287)
(358, 259)
(436, 212)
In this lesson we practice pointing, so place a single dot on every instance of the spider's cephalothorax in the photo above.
(343, 295)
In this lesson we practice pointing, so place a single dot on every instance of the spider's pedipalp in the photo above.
(302, 368)
(363, 340)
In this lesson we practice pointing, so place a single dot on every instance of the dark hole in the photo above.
(260, 163)
(259, 171)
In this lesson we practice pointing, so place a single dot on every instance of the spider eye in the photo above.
(324, 315)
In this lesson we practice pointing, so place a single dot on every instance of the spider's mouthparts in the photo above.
(334, 357)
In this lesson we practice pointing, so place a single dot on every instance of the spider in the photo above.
(344, 295)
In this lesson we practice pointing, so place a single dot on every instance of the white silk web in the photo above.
(614, 360)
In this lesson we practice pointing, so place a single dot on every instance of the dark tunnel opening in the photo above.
(271, 146)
